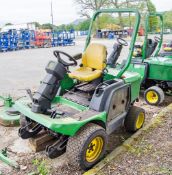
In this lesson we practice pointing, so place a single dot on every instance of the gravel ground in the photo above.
(151, 155)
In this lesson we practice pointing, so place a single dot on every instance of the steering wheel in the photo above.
(122, 41)
(58, 54)
(157, 39)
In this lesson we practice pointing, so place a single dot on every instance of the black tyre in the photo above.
(87, 147)
(134, 119)
(154, 95)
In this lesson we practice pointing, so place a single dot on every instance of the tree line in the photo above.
(87, 7)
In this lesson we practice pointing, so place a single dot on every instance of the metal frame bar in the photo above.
(160, 15)
(136, 27)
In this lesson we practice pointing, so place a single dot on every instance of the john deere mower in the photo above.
(81, 108)
(156, 71)
(156, 43)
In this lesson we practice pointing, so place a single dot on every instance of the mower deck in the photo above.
(8, 120)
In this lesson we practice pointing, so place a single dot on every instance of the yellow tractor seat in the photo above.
(93, 63)
(85, 74)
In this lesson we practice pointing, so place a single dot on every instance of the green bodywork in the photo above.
(65, 125)
(68, 125)
(138, 68)
(159, 68)
(169, 56)
(132, 78)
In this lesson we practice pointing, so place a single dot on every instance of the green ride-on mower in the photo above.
(153, 44)
(81, 108)
(156, 71)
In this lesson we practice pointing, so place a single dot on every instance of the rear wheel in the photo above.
(154, 95)
(134, 119)
(87, 147)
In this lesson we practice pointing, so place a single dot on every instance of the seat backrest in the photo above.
(95, 56)
(151, 46)
(114, 55)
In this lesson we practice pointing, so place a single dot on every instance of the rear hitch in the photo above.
(58, 148)
(26, 132)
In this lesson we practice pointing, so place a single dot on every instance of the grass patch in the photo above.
(143, 148)
(41, 166)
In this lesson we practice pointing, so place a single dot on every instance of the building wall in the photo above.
(30, 26)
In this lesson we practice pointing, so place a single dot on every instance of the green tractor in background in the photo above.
(81, 108)
(156, 71)
(152, 44)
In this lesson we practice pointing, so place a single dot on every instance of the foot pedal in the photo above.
(87, 88)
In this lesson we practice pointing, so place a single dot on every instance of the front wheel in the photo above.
(154, 95)
(87, 147)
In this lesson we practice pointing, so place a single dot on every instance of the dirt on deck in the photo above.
(151, 154)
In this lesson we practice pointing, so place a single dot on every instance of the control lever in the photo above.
(29, 92)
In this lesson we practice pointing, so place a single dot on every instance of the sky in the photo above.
(65, 11)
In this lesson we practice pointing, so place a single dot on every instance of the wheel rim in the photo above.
(94, 149)
(140, 120)
(152, 97)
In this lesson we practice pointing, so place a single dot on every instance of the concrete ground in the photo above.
(25, 69)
